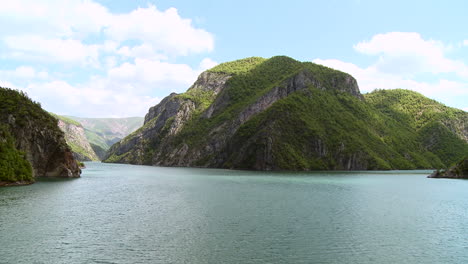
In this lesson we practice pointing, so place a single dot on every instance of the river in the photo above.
(139, 214)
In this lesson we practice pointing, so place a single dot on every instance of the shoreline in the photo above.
(18, 183)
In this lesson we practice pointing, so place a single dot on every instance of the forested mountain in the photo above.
(282, 114)
(31, 143)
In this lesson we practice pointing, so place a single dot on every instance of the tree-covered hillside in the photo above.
(13, 164)
(31, 144)
(440, 129)
(282, 114)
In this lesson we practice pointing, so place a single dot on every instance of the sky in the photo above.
(117, 58)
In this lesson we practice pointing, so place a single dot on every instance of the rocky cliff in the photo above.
(281, 114)
(76, 139)
(36, 135)
(458, 171)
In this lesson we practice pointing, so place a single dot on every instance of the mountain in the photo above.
(31, 144)
(103, 132)
(282, 114)
(76, 139)
(440, 129)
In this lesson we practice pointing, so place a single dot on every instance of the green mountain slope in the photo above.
(281, 114)
(31, 144)
(76, 138)
(13, 164)
(441, 130)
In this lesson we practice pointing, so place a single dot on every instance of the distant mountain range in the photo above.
(90, 138)
(282, 114)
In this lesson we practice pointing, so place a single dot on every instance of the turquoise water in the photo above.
(139, 214)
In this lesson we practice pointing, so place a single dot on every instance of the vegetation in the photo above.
(27, 127)
(238, 66)
(96, 139)
(411, 107)
(13, 164)
(439, 128)
(67, 120)
(100, 152)
(104, 132)
(80, 164)
(326, 126)
(461, 167)
(76, 139)
(18, 105)
(344, 127)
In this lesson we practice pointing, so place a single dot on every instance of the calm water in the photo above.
(139, 214)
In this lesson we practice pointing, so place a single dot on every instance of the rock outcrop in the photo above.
(281, 114)
(76, 139)
(458, 171)
(37, 135)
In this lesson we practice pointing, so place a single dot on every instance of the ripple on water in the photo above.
(140, 214)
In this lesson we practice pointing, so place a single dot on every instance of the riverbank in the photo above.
(18, 183)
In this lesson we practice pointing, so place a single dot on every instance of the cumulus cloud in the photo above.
(89, 99)
(32, 47)
(407, 53)
(128, 57)
(400, 59)
(23, 72)
(126, 90)
(207, 63)
(151, 26)
(59, 29)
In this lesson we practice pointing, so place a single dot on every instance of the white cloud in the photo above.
(465, 42)
(23, 72)
(401, 58)
(58, 29)
(69, 50)
(144, 50)
(165, 31)
(127, 55)
(6, 84)
(70, 18)
(407, 53)
(207, 63)
(369, 79)
(150, 71)
(89, 99)
(126, 90)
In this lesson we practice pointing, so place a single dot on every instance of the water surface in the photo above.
(138, 214)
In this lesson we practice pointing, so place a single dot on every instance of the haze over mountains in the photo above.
(90, 138)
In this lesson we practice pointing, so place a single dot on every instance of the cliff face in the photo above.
(37, 135)
(281, 114)
(458, 171)
(76, 139)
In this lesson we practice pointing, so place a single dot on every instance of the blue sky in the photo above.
(106, 58)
